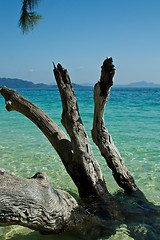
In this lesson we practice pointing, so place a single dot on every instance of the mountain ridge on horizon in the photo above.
(19, 83)
(139, 84)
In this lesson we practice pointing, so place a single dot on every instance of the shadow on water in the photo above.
(122, 217)
(130, 215)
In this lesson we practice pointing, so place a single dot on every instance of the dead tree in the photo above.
(33, 202)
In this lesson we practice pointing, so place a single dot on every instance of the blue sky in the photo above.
(79, 34)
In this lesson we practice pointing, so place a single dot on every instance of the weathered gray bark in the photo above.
(100, 135)
(84, 168)
(35, 204)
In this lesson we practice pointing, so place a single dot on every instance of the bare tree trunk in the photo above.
(85, 168)
(100, 135)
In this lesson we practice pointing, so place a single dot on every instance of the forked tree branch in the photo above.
(35, 204)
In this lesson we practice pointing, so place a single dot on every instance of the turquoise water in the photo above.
(132, 117)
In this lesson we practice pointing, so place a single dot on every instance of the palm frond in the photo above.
(28, 18)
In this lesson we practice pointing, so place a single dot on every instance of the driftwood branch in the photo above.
(86, 170)
(100, 135)
(35, 204)
(15, 102)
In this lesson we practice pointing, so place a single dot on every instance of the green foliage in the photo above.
(28, 17)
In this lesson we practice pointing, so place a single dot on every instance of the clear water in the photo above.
(132, 117)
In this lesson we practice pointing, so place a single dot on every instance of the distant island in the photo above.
(19, 83)
(141, 84)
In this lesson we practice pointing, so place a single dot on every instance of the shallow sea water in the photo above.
(132, 117)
